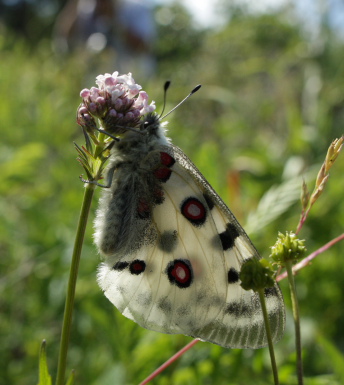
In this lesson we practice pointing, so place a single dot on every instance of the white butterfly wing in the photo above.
(240, 324)
(184, 277)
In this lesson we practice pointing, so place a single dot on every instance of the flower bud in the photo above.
(287, 248)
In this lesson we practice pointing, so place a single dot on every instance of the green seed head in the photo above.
(287, 248)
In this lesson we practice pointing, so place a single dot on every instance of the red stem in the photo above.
(303, 218)
(169, 362)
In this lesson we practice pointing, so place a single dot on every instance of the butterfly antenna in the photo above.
(166, 87)
(191, 93)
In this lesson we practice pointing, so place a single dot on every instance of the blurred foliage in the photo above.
(271, 103)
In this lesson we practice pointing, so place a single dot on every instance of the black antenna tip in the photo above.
(196, 89)
(167, 85)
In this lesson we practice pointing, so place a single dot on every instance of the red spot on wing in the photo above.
(180, 273)
(166, 159)
(137, 267)
(194, 210)
(163, 173)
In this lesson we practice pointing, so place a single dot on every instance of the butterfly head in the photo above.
(150, 123)
(152, 127)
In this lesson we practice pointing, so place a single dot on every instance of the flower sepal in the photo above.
(256, 274)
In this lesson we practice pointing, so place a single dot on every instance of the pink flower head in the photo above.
(117, 102)
(85, 93)
(142, 103)
(129, 81)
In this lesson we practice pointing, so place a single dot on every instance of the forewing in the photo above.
(240, 322)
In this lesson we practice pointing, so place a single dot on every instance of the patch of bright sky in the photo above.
(207, 13)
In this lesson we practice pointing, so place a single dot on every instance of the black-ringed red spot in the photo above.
(194, 211)
(179, 273)
(137, 267)
(163, 173)
(166, 159)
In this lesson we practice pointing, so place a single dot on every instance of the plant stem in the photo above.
(68, 312)
(303, 218)
(169, 361)
(296, 316)
(268, 334)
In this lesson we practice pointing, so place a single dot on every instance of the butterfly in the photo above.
(173, 250)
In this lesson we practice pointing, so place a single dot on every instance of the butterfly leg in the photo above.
(108, 134)
(108, 178)
(115, 137)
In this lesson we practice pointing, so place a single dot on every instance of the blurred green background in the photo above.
(270, 105)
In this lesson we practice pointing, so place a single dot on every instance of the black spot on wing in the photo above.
(144, 299)
(270, 292)
(183, 311)
(168, 241)
(119, 266)
(209, 201)
(228, 236)
(238, 310)
(165, 305)
(233, 275)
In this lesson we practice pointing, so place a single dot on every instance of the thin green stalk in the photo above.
(268, 334)
(296, 316)
(68, 312)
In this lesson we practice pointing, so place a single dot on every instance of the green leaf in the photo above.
(71, 379)
(274, 203)
(334, 356)
(44, 376)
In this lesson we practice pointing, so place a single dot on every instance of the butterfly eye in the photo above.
(145, 125)
(151, 124)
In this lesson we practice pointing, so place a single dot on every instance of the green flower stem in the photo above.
(296, 316)
(268, 334)
(68, 312)
(100, 147)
